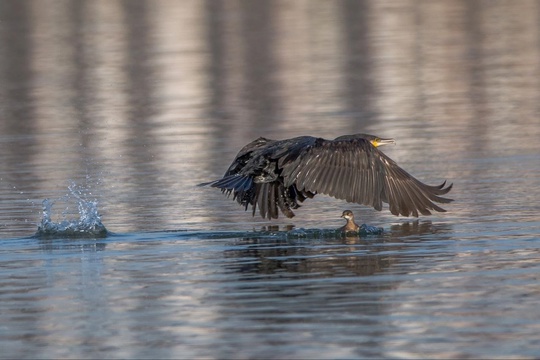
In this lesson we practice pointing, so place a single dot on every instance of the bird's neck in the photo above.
(351, 225)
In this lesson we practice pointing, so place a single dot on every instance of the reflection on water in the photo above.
(326, 257)
(178, 292)
(142, 100)
(154, 99)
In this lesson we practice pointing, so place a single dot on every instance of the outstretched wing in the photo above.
(356, 171)
(252, 182)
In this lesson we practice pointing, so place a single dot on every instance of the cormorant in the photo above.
(278, 174)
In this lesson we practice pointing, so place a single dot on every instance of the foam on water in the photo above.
(325, 233)
(300, 233)
(88, 223)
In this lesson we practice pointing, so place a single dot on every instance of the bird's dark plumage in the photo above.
(278, 174)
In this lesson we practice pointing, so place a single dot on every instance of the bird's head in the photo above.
(347, 214)
(374, 140)
(377, 141)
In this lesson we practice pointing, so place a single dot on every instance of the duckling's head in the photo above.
(348, 215)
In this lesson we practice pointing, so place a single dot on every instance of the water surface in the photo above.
(133, 103)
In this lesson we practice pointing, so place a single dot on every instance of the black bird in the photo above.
(278, 174)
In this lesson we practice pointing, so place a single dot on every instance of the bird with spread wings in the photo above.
(278, 174)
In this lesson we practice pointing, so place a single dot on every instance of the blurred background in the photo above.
(133, 103)
(138, 101)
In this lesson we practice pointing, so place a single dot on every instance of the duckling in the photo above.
(350, 226)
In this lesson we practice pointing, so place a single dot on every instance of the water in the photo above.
(86, 224)
(112, 112)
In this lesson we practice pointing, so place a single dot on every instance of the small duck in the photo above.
(350, 226)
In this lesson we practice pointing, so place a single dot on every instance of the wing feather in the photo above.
(356, 171)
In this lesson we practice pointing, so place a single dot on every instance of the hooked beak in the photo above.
(381, 142)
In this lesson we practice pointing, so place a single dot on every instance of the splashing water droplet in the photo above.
(87, 225)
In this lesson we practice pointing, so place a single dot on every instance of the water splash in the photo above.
(88, 223)
(322, 233)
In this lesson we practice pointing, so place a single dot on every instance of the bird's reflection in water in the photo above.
(83, 245)
(417, 229)
(319, 257)
(322, 256)
(276, 228)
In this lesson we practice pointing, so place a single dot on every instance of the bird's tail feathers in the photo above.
(232, 182)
